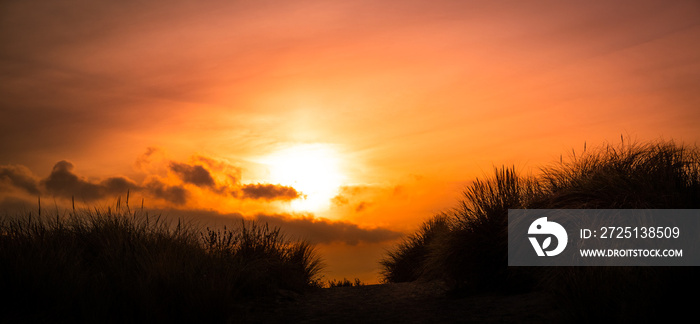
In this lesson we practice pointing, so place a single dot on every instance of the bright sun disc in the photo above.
(312, 169)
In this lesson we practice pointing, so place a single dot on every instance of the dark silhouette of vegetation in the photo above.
(406, 263)
(344, 283)
(469, 251)
(111, 266)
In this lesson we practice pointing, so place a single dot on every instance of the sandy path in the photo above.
(405, 303)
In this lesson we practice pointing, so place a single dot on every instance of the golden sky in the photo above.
(346, 122)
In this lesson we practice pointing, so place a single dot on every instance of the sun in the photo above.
(312, 169)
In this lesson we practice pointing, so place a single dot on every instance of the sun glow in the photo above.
(312, 169)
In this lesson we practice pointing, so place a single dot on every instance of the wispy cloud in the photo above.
(19, 176)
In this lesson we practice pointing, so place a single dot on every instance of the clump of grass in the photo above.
(407, 262)
(466, 246)
(122, 266)
(642, 176)
(344, 283)
(472, 251)
(266, 255)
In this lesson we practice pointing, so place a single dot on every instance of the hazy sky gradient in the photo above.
(181, 100)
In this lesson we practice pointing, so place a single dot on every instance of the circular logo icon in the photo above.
(541, 227)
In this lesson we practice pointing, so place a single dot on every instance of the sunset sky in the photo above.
(344, 122)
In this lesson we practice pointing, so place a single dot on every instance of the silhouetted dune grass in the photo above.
(406, 263)
(106, 266)
(344, 283)
(471, 252)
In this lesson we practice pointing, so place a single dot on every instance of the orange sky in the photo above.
(192, 105)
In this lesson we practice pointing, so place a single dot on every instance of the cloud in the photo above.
(307, 227)
(200, 176)
(346, 193)
(194, 174)
(176, 185)
(339, 200)
(118, 185)
(145, 159)
(174, 194)
(362, 206)
(269, 192)
(326, 231)
(318, 231)
(360, 198)
(19, 176)
(350, 195)
(232, 172)
(63, 182)
(354, 190)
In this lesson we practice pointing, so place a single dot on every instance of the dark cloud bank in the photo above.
(321, 231)
(63, 182)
